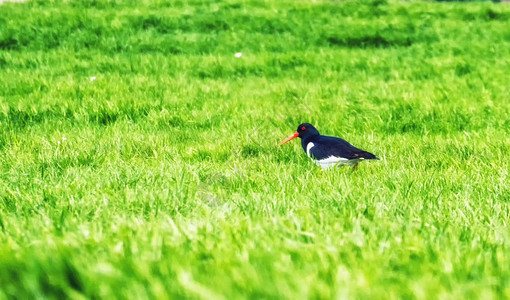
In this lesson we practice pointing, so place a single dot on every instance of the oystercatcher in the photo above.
(328, 151)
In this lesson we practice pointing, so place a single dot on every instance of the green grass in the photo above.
(169, 182)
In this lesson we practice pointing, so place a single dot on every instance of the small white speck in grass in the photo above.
(58, 142)
(92, 78)
(238, 54)
(447, 266)
(118, 248)
(85, 231)
(64, 138)
(2, 1)
(105, 269)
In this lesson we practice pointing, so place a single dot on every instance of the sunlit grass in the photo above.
(138, 152)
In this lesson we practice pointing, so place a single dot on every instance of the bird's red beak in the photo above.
(293, 136)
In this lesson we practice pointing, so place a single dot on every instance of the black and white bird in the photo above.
(328, 151)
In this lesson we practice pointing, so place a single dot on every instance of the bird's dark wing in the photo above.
(333, 146)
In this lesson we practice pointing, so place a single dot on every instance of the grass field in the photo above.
(138, 154)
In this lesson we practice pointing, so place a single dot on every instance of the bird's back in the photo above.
(327, 146)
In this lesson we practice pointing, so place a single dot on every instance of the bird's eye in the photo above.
(303, 128)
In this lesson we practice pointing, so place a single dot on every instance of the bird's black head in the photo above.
(304, 131)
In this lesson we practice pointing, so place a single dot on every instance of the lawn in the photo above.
(138, 155)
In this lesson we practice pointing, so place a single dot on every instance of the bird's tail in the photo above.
(368, 155)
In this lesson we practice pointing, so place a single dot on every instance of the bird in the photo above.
(328, 151)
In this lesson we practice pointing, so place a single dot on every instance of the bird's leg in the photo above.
(355, 167)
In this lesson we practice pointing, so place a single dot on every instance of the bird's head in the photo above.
(304, 131)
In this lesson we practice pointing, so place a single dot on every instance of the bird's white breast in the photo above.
(332, 161)
(308, 148)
